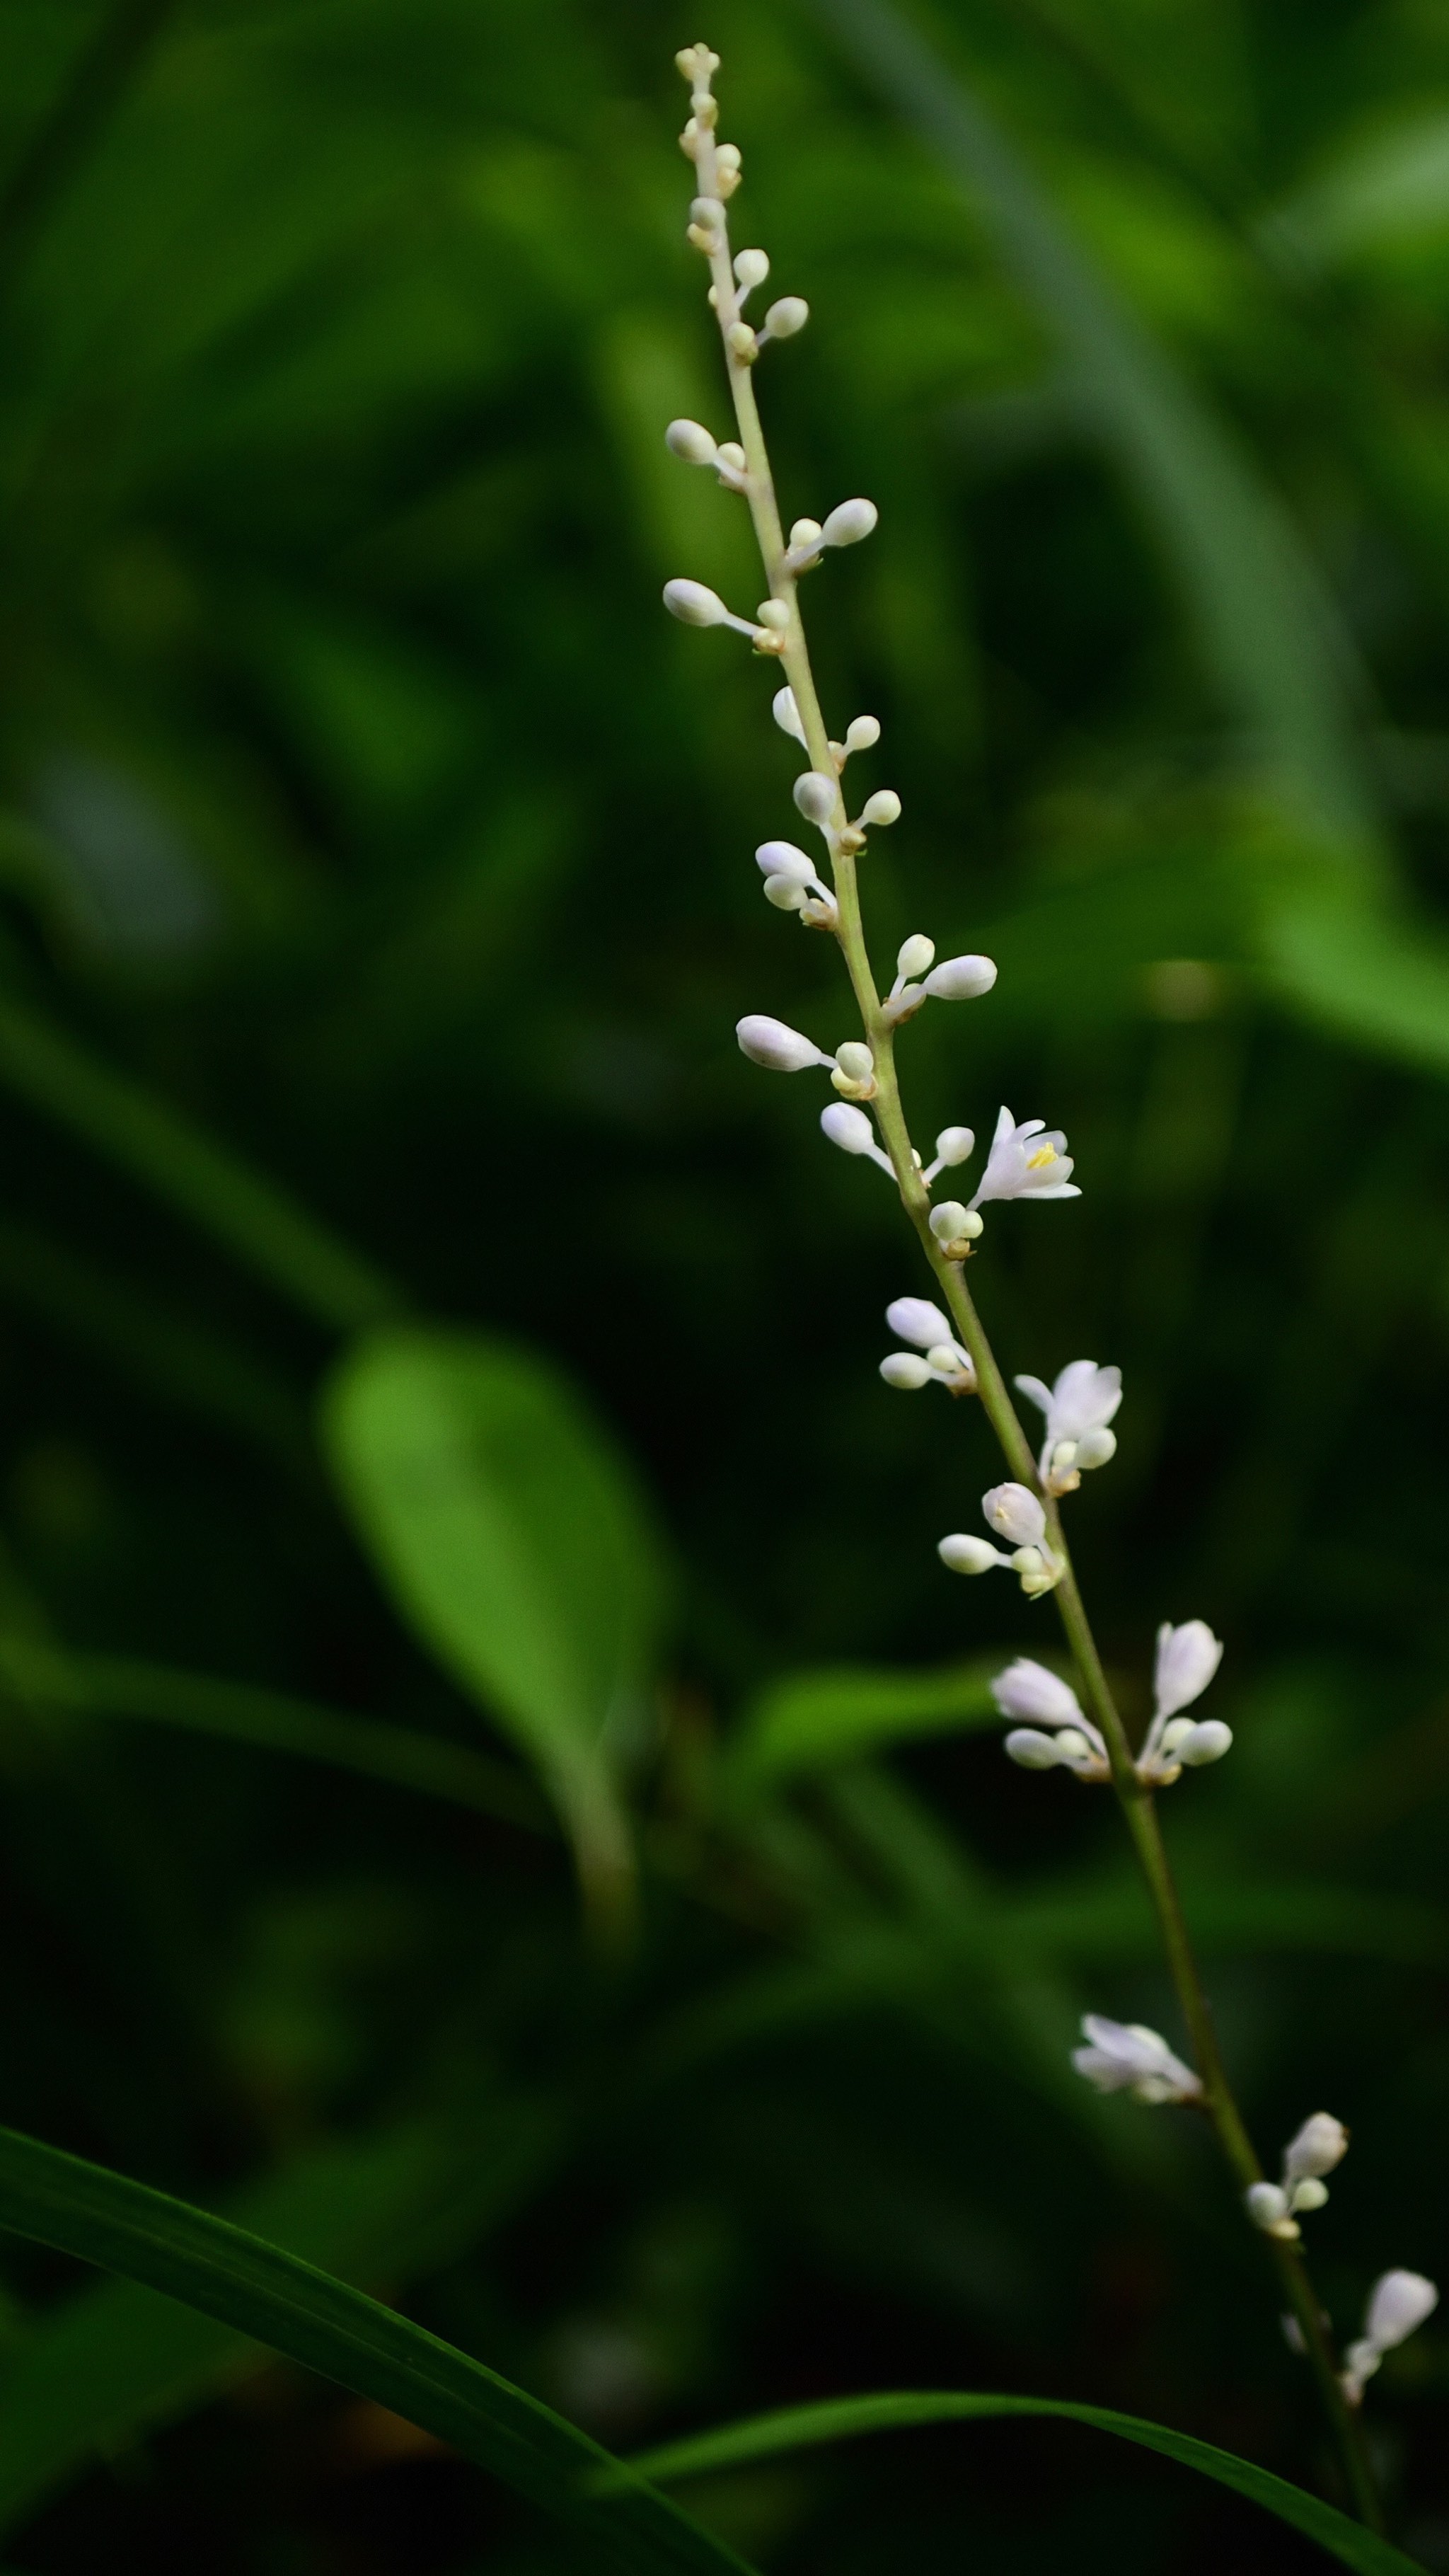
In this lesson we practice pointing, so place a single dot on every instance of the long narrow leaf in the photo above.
(796, 2428)
(94, 2372)
(146, 2236)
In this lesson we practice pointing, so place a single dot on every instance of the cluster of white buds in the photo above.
(1187, 1658)
(781, 1049)
(1015, 1513)
(1078, 1409)
(1317, 2147)
(916, 1320)
(1127, 2057)
(694, 604)
(1028, 1690)
(1397, 2306)
(861, 734)
(847, 523)
(794, 884)
(956, 979)
(690, 440)
(816, 797)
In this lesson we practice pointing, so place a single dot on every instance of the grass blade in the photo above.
(144, 2235)
(794, 2428)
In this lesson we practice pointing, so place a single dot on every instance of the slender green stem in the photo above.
(1135, 1798)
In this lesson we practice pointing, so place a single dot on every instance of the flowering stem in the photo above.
(1136, 1800)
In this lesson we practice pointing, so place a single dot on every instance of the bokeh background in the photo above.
(378, 901)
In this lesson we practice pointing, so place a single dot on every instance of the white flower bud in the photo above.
(1038, 1574)
(1309, 2195)
(782, 859)
(786, 894)
(1319, 2145)
(787, 714)
(951, 1360)
(1072, 1745)
(1095, 1447)
(780, 1049)
(1206, 1742)
(728, 159)
(1398, 2304)
(1173, 1735)
(815, 796)
(774, 614)
(1034, 1751)
(731, 453)
(949, 1220)
(967, 1555)
(915, 954)
(742, 342)
(693, 605)
(862, 733)
(689, 439)
(1027, 1689)
(961, 979)
(916, 1320)
(883, 807)
(848, 1127)
(804, 533)
(1014, 1512)
(1187, 1658)
(708, 213)
(905, 1368)
(848, 522)
(955, 1145)
(787, 317)
(752, 267)
(855, 1060)
(1267, 2207)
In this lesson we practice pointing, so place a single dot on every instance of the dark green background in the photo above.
(361, 805)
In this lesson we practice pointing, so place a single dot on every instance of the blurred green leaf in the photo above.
(513, 1539)
(1382, 189)
(96, 2371)
(271, 2296)
(816, 1721)
(841, 2419)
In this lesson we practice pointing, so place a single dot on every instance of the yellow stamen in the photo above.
(1044, 1154)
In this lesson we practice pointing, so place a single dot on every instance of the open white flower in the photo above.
(1397, 2306)
(1127, 2057)
(1028, 1690)
(1026, 1162)
(1187, 1658)
(1078, 1409)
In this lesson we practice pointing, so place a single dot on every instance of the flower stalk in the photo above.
(780, 633)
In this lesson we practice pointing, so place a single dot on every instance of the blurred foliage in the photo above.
(375, 909)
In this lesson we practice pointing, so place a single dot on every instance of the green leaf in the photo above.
(512, 1538)
(260, 2291)
(762, 2437)
(1387, 188)
(96, 2371)
(814, 1721)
